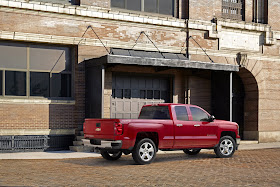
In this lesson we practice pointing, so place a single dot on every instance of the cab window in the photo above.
(198, 114)
(154, 112)
(181, 113)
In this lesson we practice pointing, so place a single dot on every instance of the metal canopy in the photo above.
(146, 58)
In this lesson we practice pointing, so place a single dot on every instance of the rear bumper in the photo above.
(102, 144)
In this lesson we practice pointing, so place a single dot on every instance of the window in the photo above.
(154, 6)
(15, 83)
(39, 84)
(154, 112)
(1, 79)
(233, 9)
(35, 70)
(198, 114)
(260, 11)
(181, 113)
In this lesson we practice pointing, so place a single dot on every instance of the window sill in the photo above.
(36, 101)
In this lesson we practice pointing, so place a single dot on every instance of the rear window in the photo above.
(154, 112)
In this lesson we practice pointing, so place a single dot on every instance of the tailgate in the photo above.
(100, 128)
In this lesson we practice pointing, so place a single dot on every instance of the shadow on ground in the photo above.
(128, 160)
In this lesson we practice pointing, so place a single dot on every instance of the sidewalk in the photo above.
(70, 154)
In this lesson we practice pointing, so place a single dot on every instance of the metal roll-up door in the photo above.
(131, 92)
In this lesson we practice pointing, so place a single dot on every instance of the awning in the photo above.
(147, 58)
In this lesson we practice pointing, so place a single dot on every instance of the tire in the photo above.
(226, 147)
(144, 151)
(111, 155)
(191, 151)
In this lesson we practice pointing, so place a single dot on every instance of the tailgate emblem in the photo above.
(98, 129)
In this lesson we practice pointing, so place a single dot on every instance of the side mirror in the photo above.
(211, 118)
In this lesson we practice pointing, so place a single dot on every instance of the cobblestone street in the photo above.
(246, 168)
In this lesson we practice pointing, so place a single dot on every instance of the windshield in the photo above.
(154, 112)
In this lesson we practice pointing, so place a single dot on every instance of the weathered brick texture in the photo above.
(24, 116)
(205, 9)
(274, 14)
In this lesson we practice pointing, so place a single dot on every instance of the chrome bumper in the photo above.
(103, 144)
(238, 141)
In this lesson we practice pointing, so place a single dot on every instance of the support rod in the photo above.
(230, 96)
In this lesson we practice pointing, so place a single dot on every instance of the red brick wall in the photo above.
(274, 14)
(248, 10)
(205, 9)
(24, 116)
(67, 26)
(61, 116)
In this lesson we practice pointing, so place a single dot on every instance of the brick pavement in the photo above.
(246, 168)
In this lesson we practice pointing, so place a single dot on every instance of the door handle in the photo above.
(179, 125)
(197, 125)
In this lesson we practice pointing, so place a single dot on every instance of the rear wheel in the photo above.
(226, 147)
(144, 151)
(191, 151)
(111, 155)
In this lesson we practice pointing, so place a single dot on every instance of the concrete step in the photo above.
(79, 138)
(80, 148)
(246, 142)
(78, 143)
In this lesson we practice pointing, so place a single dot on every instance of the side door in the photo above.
(207, 130)
(185, 132)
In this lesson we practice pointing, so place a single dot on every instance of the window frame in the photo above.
(142, 8)
(201, 110)
(28, 70)
(187, 112)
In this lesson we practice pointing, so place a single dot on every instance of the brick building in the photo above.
(55, 71)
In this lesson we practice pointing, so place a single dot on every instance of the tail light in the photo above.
(118, 129)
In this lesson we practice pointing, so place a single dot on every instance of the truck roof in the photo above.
(168, 104)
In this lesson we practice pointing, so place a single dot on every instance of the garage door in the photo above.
(131, 92)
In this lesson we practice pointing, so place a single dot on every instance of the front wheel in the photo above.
(226, 147)
(191, 151)
(144, 151)
(111, 155)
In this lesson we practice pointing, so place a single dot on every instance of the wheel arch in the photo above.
(228, 133)
(151, 135)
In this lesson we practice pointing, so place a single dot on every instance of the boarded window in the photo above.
(1, 82)
(8, 57)
(153, 6)
(134, 5)
(49, 59)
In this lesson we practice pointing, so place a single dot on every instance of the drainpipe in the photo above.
(102, 88)
(187, 39)
(230, 96)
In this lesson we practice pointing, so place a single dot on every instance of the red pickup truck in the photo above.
(165, 127)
